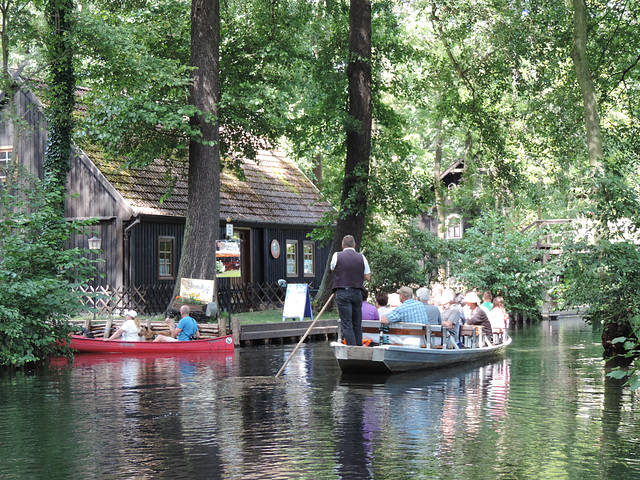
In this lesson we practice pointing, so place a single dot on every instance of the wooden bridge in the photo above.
(551, 244)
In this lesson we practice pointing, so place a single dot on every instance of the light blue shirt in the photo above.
(189, 328)
(410, 311)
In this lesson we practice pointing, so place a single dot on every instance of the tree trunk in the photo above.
(581, 66)
(60, 94)
(437, 184)
(353, 204)
(198, 259)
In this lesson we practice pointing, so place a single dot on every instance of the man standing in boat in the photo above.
(186, 330)
(350, 270)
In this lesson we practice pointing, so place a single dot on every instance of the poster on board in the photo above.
(195, 289)
(297, 303)
(227, 258)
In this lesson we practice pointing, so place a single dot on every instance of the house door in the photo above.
(246, 273)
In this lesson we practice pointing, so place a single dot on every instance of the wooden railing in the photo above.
(154, 299)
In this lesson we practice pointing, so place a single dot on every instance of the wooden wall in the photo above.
(25, 129)
(265, 269)
(144, 249)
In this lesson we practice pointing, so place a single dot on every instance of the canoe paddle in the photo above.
(305, 335)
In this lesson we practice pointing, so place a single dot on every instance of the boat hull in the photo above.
(94, 345)
(397, 358)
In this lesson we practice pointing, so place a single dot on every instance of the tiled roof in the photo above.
(275, 191)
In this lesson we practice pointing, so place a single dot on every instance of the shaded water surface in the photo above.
(546, 411)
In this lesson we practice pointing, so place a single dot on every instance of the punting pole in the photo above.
(305, 335)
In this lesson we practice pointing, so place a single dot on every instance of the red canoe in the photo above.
(98, 345)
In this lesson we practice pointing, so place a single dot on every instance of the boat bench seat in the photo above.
(497, 335)
(472, 336)
(408, 334)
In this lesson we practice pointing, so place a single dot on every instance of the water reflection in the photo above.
(545, 411)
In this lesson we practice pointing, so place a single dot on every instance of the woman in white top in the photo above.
(129, 329)
(498, 316)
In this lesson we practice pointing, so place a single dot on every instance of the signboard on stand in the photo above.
(195, 289)
(297, 303)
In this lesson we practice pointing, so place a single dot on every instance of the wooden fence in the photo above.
(154, 299)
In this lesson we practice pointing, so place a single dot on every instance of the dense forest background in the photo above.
(540, 99)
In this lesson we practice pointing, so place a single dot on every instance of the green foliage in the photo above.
(603, 277)
(60, 91)
(404, 256)
(632, 375)
(601, 268)
(494, 255)
(37, 277)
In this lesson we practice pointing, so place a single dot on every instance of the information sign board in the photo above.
(201, 290)
(297, 303)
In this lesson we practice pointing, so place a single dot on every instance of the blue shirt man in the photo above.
(410, 310)
(186, 330)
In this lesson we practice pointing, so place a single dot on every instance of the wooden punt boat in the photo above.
(98, 345)
(405, 347)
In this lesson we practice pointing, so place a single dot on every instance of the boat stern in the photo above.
(359, 359)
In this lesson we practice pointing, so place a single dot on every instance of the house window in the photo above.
(292, 258)
(166, 258)
(5, 157)
(454, 227)
(309, 259)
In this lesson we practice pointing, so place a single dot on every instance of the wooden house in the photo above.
(454, 223)
(272, 211)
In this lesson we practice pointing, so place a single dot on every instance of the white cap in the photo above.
(472, 297)
(131, 313)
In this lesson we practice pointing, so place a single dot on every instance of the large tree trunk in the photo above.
(353, 204)
(581, 66)
(198, 258)
(60, 94)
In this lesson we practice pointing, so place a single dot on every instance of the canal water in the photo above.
(546, 411)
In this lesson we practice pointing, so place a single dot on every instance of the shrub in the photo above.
(38, 276)
(496, 256)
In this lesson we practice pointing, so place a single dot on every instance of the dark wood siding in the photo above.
(144, 250)
(275, 268)
(108, 263)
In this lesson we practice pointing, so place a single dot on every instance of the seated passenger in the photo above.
(433, 312)
(369, 312)
(451, 318)
(382, 301)
(478, 315)
(186, 330)
(486, 301)
(409, 310)
(499, 317)
(129, 329)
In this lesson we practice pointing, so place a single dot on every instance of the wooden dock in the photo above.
(281, 332)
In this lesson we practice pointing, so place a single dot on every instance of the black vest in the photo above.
(349, 270)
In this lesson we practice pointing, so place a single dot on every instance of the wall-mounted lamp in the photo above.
(95, 243)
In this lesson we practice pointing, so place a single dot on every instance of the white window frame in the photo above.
(455, 228)
(172, 260)
(5, 157)
(312, 253)
(291, 257)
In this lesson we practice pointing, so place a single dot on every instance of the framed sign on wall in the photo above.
(275, 248)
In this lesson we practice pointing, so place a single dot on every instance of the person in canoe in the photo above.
(186, 330)
(129, 329)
